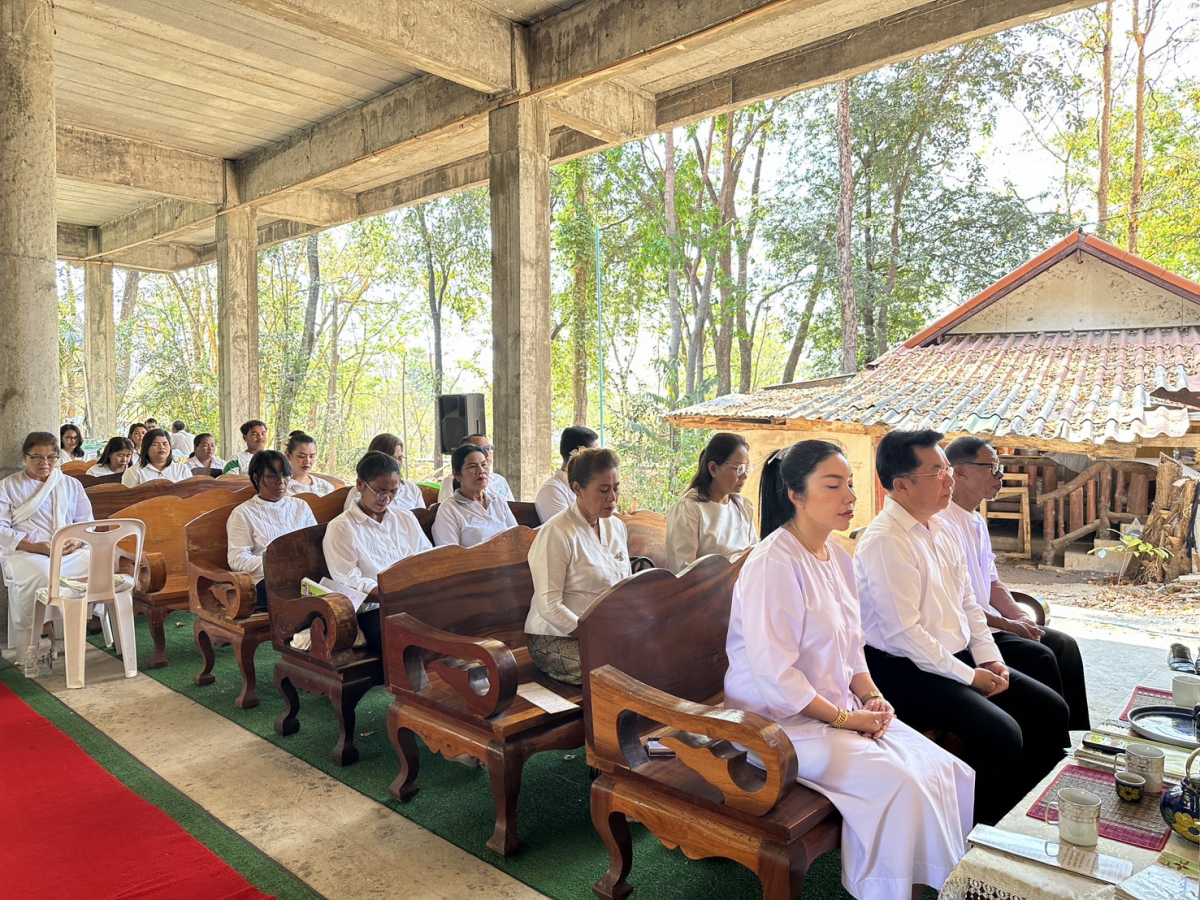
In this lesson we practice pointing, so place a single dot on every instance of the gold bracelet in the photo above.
(840, 721)
(869, 695)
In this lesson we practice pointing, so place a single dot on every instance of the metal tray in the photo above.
(1165, 724)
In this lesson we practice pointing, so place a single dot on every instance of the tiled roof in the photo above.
(1083, 387)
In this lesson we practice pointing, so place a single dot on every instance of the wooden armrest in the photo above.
(704, 739)
(151, 575)
(330, 618)
(1037, 606)
(482, 671)
(230, 595)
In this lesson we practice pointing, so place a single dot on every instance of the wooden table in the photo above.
(984, 873)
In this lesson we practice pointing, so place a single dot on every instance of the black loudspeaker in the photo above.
(457, 416)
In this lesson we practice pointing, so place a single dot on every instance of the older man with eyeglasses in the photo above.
(928, 644)
(1050, 656)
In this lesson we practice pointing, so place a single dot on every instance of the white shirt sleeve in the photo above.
(550, 499)
(341, 556)
(240, 542)
(549, 558)
(506, 513)
(683, 535)
(445, 526)
(446, 491)
(9, 535)
(83, 506)
(130, 477)
(983, 646)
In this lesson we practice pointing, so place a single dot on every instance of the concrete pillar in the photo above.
(29, 379)
(237, 323)
(99, 344)
(519, 175)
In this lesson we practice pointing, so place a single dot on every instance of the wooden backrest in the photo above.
(166, 517)
(107, 499)
(425, 518)
(664, 630)
(332, 479)
(76, 466)
(480, 591)
(92, 480)
(291, 557)
(211, 473)
(205, 537)
(429, 494)
(326, 508)
(525, 514)
(647, 531)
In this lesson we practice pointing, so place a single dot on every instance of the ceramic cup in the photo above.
(1144, 760)
(1078, 817)
(1130, 786)
(1185, 690)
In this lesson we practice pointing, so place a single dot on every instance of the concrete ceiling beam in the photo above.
(155, 222)
(607, 111)
(313, 207)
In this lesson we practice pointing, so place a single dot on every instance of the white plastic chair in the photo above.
(102, 587)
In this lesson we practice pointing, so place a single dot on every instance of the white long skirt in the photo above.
(906, 805)
(25, 573)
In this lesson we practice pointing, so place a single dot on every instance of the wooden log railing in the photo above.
(1105, 493)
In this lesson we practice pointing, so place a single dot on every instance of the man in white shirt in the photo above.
(1050, 656)
(928, 645)
(254, 433)
(555, 494)
(182, 443)
(498, 485)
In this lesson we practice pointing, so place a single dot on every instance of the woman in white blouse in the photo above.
(34, 503)
(371, 536)
(70, 440)
(577, 556)
(712, 516)
(155, 463)
(204, 453)
(301, 451)
(474, 513)
(408, 495)
(555, 494)
(497, 484)
(269, 514)
(137, 431)
(795, 649)
(114, 458)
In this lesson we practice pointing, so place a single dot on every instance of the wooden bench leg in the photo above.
(244, 651)
(287, 723)
(344, 699)
(155, 619)
(504, 774)
(782, 873)
(404, 742)
(614, 831)
(204, 643)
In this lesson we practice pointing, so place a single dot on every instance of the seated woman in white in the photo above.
(371, 536)
(795, 649)
(555, 494)
(137, 432)
(577, 556)
(34, 503)
(204, 453)
(254, 433)
(267, 515)
(409, 494)
(115, 458)
(474, 513)
(155, 464)
(70, 440)
(301, 451)
(712, 516)
(497, 484)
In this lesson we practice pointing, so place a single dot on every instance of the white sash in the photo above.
(49, 488)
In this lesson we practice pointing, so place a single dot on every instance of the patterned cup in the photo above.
(1131, 787)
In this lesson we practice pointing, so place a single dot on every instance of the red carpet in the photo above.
(70, 829)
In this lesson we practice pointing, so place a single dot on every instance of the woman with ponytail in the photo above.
(795, 649)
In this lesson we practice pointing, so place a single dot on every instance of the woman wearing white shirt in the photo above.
(70, 440)
(497, 484)
(555, 494)
(269, 514)
(34, 503)
(155, 464)
(577, 556)
(204, 453)
(371, 536)
(712, 516)
(474, 513)
(115, 458)
(795, 650)
(408, 495)
(301, 451)
(137, 432)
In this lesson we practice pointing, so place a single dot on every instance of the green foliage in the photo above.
(1132, 545)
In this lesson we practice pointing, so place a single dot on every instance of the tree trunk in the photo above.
(331, 393)
(297, 367)
(129, 301)
(845, 263)
(675, 341)
(746, 329)
(583, 307)
(1140, 31)
(1105, 124)
(434, 299)
(814, 291)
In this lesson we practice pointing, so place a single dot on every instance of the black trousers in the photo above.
(260, 596)
(1056, 663)
(1011, 741)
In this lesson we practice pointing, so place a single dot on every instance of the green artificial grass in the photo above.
(562, 856)
(242, 856)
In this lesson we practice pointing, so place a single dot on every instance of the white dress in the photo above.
(408, 497)
(466, 523)
(254, 524)
(136, 475)
(24, 572)
(553, 496)
(357, 548)
(496, 484)
(319, 486)
(696, 528)
(794, 633)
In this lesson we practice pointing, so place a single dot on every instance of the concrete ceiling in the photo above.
(317, 114)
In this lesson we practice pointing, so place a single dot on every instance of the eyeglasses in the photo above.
(944, 473)
(387, 495)
(48, 460)
(276, 476)
(488, 449)
(995, 468)
(740, 469)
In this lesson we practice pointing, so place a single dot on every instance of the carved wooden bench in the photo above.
(454, 646)
(94, 480)
(165, 547)
(642, 680)
(109, 499)
(76, 467)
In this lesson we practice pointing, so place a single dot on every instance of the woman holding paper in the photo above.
(370, 536)
(577, 556)
(269, 514)
(34, 504)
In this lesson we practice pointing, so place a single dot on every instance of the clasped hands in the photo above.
(991, 679)
(43, 547)
(873, 719)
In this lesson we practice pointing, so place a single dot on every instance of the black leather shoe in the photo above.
(1179, 659)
